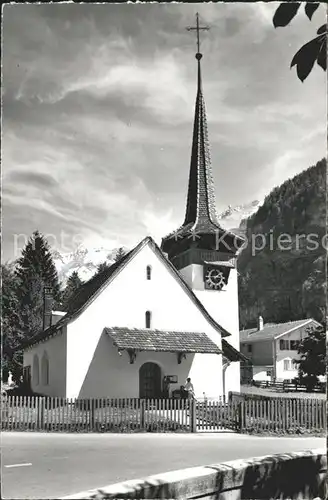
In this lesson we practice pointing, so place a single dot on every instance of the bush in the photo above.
(21, 390)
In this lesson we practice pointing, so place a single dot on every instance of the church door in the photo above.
(150, 381)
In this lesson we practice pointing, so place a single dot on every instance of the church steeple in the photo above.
(200, 208)
(201, 226)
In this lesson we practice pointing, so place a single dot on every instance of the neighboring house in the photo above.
(273, 347)
(158, 316)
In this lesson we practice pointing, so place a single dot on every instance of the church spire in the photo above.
(201, 226)
(200, 207)
(201, 196)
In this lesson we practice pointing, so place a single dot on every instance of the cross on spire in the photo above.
(197, 28)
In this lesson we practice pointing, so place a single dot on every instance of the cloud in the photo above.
(98, 108)
(42, 181)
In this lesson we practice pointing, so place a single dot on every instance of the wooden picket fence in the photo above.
(283, 415)
(279, 415)
(216, 415)
(116, 415)
(163, 415)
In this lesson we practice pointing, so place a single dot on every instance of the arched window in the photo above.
(45, 369)
(148, 319)
(148, 272)
(35, 374)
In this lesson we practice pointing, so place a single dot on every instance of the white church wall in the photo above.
(206, 376)
(223, 307)
(55, 347)
(124, 303)
(188, 274)
(111, 374)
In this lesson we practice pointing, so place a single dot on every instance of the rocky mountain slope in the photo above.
(282, 270)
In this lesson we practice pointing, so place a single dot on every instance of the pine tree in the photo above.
(119, 254)
(11, 326)
(313, 356)
(73, 284)
(103, 266)
(35, 270)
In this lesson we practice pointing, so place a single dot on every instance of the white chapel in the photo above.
(156, 317)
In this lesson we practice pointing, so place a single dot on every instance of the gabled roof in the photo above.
(90, 290)
(144, 339)
(273, 331)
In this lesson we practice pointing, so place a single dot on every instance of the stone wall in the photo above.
(299, 475)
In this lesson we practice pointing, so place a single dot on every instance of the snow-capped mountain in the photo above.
(233, 218)
(86, 260)
(83, 260)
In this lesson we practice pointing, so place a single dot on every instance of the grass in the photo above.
(300, 431)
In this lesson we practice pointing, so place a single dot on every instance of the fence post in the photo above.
(240, 416)
(192, 415)
(92, 414)
(142, 414)
(41, 409)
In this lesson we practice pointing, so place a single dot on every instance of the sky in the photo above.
(98, 103)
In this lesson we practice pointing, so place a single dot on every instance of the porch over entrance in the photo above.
(153, 382)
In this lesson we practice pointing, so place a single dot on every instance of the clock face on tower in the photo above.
(214, 279)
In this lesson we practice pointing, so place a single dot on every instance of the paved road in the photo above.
(63, 464)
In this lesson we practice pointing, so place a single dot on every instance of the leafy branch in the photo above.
(313, 51)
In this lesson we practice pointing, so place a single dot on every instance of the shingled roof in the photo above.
(274, 330)
(144, 339)
(88, 292)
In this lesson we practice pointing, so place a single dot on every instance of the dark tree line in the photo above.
(284, 283)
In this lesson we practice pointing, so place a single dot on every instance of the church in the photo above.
(156, 317)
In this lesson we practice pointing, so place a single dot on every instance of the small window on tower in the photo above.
(148, 272)
(148, 319)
